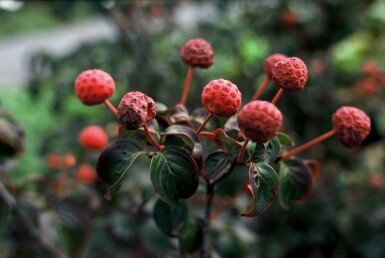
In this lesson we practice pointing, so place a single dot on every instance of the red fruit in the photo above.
(290, 73)
(86, 173)
(54, 161)
(221, 97)
(270, 61)
(93, 87)
(197, 53)
(69, 160)
(352, 126)
(93, 137)
(259, 121)
(135, 109)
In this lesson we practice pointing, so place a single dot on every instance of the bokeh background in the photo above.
(44, 45)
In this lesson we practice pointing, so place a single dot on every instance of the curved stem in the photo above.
(155, 143)
(243, 150)
(277, 96)
(308, 144)
(208, 117)
(186, 85)
(111, 107)
(226, 204)
(261, 88)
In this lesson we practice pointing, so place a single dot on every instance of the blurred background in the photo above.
(44, 45)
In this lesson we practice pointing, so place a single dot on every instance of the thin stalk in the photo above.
(308, 144)
(208, 117)
(226, 204)
(187, 85)
(205, 252)
(243, 151)
(277, 96)
(155, 143)
(261, 88)
(33, 230)
(111, 107)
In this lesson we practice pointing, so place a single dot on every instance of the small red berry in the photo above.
(290, 73)
(270, 61)
(135, 109)
(54, 161)
(93, 87)
(221, 97)
(352, 126)
(86, 173)
(93, 137)
(260, 121)
(197, 52)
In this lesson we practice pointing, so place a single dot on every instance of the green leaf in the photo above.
(272, 150)
(11, 136)
(255, 152)
(263, 186)
(115, 161)
(200, 114)
(295, 182)
(179, 114)
(285, 140)
(167, 217)
(217, 165)
(188, 137)
(174, 174)
(161, 109)
(190, 236)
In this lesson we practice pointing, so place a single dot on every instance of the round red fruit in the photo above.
(352, 126)
(221, 97)
(86, 174)
(260, 121)
(197, 52)
(135, 109)
(93, 137)
(290, 73)
(270, 61)
(93, 87)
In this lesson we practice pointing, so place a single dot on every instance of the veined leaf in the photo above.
(167, 217)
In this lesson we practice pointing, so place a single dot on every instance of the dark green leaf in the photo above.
(295, 182)
(263, 186)
(231, 127)
(285, 140)
(190, 236)
(254, 152)
(174, 174)
(11, 136)
(231, 145)
(216, 165)
(200, 114)
(161, 108)
(115, 161)
(167, 217)
(179, 114)
(272, 150)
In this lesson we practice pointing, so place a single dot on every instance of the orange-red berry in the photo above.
(270, 61)
(93, 137)
(260, 121)
(290, 73)
(197, 52)
(93, 87)
(86, 173)
(221, 97)
(352, 126)
(135, 109)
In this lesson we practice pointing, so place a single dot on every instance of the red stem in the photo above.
(242, 151)
(187, 85)
(277, 96)
(226, 204)
(308, 144)
(208, 117)
(261, 88)
(147, 131)
(111, 107)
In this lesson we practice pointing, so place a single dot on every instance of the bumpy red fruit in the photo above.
(135, 109)
(86, 174)
(197, 53)
(290, 73)
(221, 97)
(93, 137)
(260, 121)
(352, 126)
(270, 61)
(93, 87)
